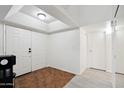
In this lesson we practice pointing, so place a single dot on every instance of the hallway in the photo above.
(91, 78)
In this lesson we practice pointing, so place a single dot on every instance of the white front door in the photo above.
(18, 43)
(38, 50)
(96, 50)
(119, 51)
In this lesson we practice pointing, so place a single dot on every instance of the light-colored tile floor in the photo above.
(119, 81)
(91, 78)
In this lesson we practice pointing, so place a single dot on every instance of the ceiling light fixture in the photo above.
(41, 16)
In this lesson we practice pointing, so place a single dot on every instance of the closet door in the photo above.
(96, 50)
(1, 39)
(38, 50)
(18, 43)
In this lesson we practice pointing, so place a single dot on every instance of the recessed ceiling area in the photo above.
(27, 17)
(33, 11)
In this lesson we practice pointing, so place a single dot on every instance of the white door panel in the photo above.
(18, 43)
(90, 51)
(96, 50)
(38, 50)
(119, 51)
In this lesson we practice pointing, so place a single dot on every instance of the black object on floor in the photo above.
(6, 71)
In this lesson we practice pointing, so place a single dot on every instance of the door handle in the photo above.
(29, 50)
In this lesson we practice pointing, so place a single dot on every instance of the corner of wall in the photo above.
(83, 50)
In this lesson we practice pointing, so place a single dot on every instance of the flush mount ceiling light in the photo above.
(41, 16)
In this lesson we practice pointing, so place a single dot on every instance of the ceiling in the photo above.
(4, 9)
(80, 15)
(71, 16)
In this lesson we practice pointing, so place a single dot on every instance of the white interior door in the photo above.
(96, 50)
(119, 51)
(38, 50)
(1, 39)
(18, 43)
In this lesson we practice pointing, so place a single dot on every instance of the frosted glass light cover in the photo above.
(41, 16)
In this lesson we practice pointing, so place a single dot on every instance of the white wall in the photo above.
(1, 39)
(64, 51)
(109, 52)
(83, 50)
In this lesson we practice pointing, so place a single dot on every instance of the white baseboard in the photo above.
(109, 71)
(64, 69)
(81, 71)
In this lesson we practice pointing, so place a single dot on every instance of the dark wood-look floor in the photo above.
(44, 78)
